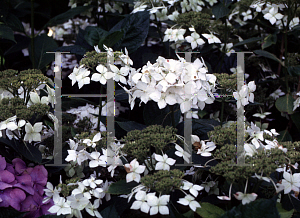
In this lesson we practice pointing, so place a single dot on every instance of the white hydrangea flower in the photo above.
(33, 133)
(134, 169)
(211, 38)
(247, 15)
(273, 15)
(164, 162)
(193, 189)
(189, 200)
(195, 40)
(246, 198)
(158, 204)
(290, 182)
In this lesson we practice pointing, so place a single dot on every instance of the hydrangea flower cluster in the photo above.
(22, 187)
(82, 195)
(169, 81)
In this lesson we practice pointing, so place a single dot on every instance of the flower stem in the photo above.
(172, 115)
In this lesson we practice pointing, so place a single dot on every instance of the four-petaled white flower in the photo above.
(291, 182)
(254, 131)
(60, 206)
(273, 15)
(211, 38)
(80, 75)
(33, 133)
(206, 148)
(241, 96)
(182, 153)
(103, 75)
(92, 208)
(189, 200)
(141, 201)
(119, 74)
(192, 188)
(194, 39)
(35, 98)
(92, 181)
(50, 192)
(92, 143)
(9, 123)
(262, 116)
(133, 171)
(164, 162)
(277, 94)
(78, 201)
(158, 204)
(247, 15)
(246, 198)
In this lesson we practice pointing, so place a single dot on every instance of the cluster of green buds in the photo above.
(226, 81)
(68, 186)
(92, 59)
(12, 80)
(200, 21)
(138, 143)
(15, 106)
(163, 181)
(223, 135)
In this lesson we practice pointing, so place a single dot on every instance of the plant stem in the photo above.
(32, 33)
(172, 115)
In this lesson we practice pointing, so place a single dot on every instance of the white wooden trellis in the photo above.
(110, 119)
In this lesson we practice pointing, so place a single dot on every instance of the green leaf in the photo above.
(7, 33)
(135, 27)
(110, 212)
(246, 41)
(112, 38)
(261, 208)
(220, 10)
(294, 70)
(43, 44)
(271, 39)
(284, 136)
(268, 55)
(284, 213)
(208, 210)
(28, 151)
(202, 113)
(189, 214)
(130, 125)
(64, 17)
(10, 213)
(121, 187)
(93, 35)
(14, 23)
(285, 104)
(296, 119)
